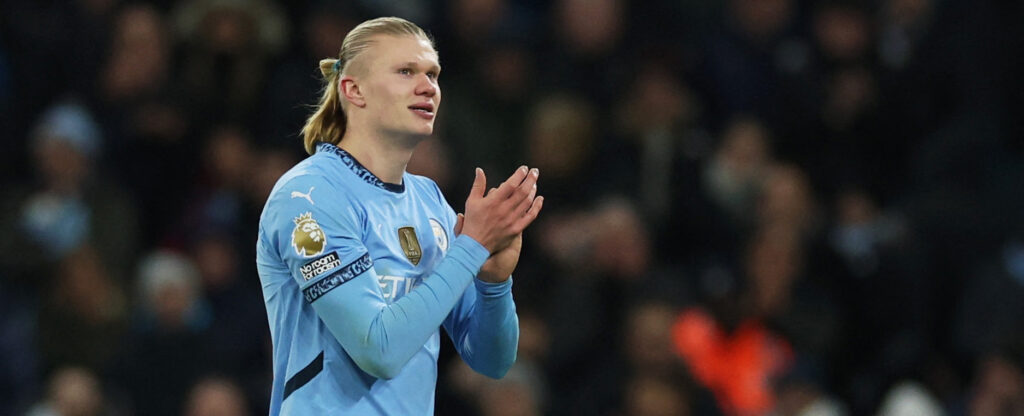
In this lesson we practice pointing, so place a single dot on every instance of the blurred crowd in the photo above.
(754, 207)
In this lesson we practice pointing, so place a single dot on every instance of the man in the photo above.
(361, 262)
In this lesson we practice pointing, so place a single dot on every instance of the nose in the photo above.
(426, 86)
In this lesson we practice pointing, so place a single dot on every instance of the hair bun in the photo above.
(329, 67)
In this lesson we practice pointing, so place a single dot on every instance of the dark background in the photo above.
(753, 206)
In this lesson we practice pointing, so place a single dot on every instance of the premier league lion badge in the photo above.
(307, 238)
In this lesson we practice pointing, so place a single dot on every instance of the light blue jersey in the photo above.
(358, 276)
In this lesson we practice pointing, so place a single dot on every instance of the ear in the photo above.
(349, 90)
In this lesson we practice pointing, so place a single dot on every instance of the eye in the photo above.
(432, 74)
(405, 71)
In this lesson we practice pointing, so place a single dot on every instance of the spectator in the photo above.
(220, 200)
(227, 46)
(560, 141)
(167, 338)
(71, 203)
(214, 396)
(236, 338)
(732, 179)
(998, 388)
(736, 363)
(649, 395)
(753, 63)
(73, 391)
(143, 112)
(910, 398)
(85, 309)
(661, 142)
(492, 101)
(586, 56)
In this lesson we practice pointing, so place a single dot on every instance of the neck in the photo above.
(384, 155)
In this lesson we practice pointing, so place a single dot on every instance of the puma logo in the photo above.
(297, 194)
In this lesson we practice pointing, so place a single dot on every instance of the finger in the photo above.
(479, 184)
(458, 224)
(510, 184)
(523, 196)
(527, 202)
(531, 214)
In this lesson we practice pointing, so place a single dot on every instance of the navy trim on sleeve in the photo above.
(349, 272)
(304, 375)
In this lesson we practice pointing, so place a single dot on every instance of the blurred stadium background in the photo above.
(784, 207)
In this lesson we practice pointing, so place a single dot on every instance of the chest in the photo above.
(406, 239)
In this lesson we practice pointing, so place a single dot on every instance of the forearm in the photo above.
(381, 338)
(490, 343)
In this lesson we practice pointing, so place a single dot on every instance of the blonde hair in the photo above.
(327, 123)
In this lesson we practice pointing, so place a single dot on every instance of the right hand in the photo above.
(495, 219)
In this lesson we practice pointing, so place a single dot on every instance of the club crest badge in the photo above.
(410, 244)
(307, 237)
(439, 235)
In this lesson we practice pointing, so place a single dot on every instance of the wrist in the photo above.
(480, 241)
(470, 241)
(476, 250)
(494, 289)
(492, 278)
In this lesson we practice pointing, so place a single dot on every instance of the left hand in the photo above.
(499, 267)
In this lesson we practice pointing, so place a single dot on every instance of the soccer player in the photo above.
(361, 262)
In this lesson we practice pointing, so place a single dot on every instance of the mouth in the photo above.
(425, 110)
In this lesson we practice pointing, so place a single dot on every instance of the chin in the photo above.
(424, 131)
(414, 136)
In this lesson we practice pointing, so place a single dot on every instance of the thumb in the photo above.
(479, 184)
(458, 224)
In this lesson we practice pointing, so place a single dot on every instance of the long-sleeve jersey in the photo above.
(358, 276)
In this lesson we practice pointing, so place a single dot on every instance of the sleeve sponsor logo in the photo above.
(320, 266)
(319, 289)
(308, 238)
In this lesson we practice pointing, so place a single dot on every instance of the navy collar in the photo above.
(361, 171)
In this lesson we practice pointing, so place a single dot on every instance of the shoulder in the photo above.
(310, 171)
(317, 174)
(310, 186)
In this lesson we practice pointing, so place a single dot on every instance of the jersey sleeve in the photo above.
(320, 241)
(317, 236)
(484, 326)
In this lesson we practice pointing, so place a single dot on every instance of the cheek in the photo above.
(377, 95)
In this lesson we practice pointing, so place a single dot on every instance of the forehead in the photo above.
(391, 50)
